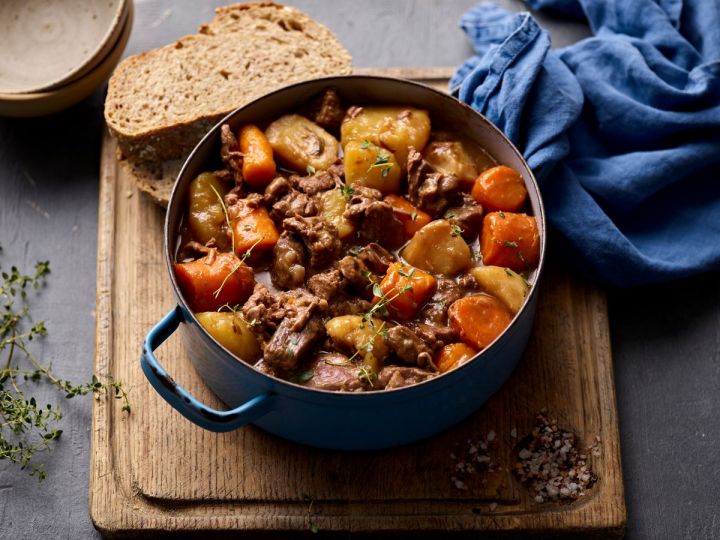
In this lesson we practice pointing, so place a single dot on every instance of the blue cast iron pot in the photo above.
(347, 421)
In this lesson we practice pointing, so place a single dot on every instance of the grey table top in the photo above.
(666, 339)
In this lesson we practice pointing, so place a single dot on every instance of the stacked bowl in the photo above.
(54, 53)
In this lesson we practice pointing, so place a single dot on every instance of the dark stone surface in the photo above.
(666, 339)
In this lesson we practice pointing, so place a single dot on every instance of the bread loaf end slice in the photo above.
(160, 103)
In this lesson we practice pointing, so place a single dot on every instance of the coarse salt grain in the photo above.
(466, 475)
(551, 465)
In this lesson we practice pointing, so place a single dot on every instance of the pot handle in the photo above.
(182, 400)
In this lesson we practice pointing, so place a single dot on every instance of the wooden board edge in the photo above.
(429, 73)
(113, 510)
(610, 424)
(109, 505)
(100, 486)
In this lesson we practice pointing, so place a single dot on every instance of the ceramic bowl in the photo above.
(31, 104)
(48, 43)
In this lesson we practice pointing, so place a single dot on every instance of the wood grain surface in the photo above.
(155, 471)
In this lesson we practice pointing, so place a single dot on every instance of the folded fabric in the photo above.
(622, 130)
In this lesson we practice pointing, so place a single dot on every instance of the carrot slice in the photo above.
(258, 165)
(452, 355)
(510, 240)
(412, 217)
(500, 188)
(253, 228)
(215, 280)
(405, 289)
(479, 319)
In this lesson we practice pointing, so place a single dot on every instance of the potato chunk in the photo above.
(206, 216)
(332, 207)
(232, 332)
(507, 286)
(438, 248)
(362, 338)
(395, 128)
(371, 166)
(300, 143)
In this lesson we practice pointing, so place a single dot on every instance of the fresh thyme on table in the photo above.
(27, 427)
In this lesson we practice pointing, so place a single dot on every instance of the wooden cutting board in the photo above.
(153, 471)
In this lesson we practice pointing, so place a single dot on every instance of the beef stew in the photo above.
(348, 249)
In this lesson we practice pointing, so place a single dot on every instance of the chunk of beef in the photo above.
(290, 344)
(332, 286)
(230, 153)
(315, 183)
(435, 311)
(435, 336)
(276, 190)
(354, 271)
(432, 191)
(375, 218)
(360, 198)
(399, 376)
(468, 217)
(192, 249)
(320, 238)
(266, 310)
(408, 346)
(331, 113)
(376, 258)
(264, 367)
(224, 176)
(288, 263)
(293, 204)
(326, 284)
(236, 203)
(262, 310)
(299, 305)
(468, 281)
(333, 371)
(233, 196)
(285, 201)
(345, 304)
(381, 225)
(337, 169)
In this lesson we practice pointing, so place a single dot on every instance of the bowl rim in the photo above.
(25, 105)
(100, 51)
(423, 385)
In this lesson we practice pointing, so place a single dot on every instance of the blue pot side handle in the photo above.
(184, 402)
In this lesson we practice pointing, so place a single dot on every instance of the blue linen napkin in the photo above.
(621, 129)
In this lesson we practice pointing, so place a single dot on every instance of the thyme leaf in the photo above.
(346, 191)
(26, 426)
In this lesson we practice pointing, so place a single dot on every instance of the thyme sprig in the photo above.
(346, 191)
(382, 162)
(27, 427)
(382, 159)
(235, 268)
(365, 372)
(228, 221)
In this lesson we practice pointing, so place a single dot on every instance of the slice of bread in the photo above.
(160, 103)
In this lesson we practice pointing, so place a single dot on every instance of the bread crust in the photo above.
(146, 143)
